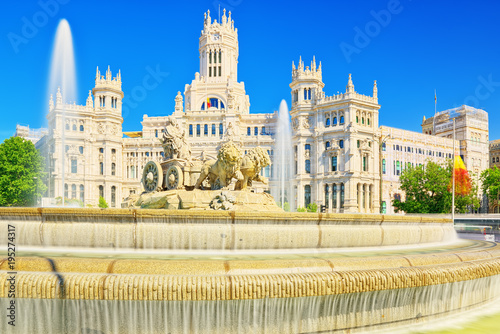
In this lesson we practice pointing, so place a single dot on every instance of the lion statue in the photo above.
(220, 172)
(251, 166)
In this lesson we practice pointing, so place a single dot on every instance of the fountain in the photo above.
(226, 269)
(62, 76)
(222, 259)
(281, 189)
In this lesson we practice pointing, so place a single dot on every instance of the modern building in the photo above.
(344, 160)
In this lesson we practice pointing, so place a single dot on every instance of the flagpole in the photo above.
(434, 118)
(453, 186)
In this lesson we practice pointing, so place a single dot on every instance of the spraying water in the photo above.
(62, 75)
(281, 187)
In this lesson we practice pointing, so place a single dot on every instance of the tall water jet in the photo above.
(63, 77)
(281, 187)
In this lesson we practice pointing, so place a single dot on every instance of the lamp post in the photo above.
(381, 143)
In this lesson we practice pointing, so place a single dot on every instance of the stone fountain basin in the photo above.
(223, 230)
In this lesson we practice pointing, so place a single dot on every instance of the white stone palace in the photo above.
(344, 160)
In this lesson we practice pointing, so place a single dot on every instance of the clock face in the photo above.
(215, 37)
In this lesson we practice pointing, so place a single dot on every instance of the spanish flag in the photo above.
(463, 184)
(208, 102)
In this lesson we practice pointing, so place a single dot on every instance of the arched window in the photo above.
(156, 133)
(256, 131)
(81, 128)
(341, 143)
(327, 194)
(203, 106)
(368, 121)
(80, 148)
(497, 159)
(327, 124)
(113, 196)
(74, 127)
(132, 172)
(327, 145)
(263, 130)
(309, 94)
(334, 121)
(307, 195)
(213, 130)
(190, 130)
(398, 167)
(341, 119)
(358, 143)
(113, 168)
(73, 191)
(67, 126)
(205, 130)
(101, 168)
(82, 193)
(249, 131)
(362, 120)
(357, 119)
(101, 191)
(305, 94)
(308, 166)
(198, 130)
(221, 129)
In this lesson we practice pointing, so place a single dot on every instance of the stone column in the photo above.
(330, 197)
(359, 196)
(366, 187)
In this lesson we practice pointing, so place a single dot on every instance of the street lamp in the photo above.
(381, 143)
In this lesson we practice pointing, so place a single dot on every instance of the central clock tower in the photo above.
(219, 49)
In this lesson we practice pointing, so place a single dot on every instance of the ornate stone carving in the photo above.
(220, 172)
(251, 166)
(175, 145)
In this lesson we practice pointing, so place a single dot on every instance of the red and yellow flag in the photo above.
(208, 102)
(463, 183)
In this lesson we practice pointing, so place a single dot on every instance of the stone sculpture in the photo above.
(220, 172)
(251, 167)
(175, 145)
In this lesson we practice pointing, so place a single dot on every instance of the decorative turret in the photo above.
(178, 103)
(350, 86)
(218, 49)
(375, 90)
(307, 85)
(107, 92)
(58, 96)
(90, 102)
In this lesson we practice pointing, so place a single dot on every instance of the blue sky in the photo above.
(409, 47)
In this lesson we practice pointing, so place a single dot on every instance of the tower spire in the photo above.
(97, 73)
(350, 86)
(375, 90)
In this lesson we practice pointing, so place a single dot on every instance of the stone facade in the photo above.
(344, 160)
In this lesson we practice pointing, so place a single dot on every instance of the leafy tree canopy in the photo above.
(427, 190)
(21, 173)
(490, 179)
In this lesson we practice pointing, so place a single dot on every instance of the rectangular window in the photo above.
(334, 196)
(213, 129)
(365, 164)
(205, 130)
(101, 168)
(73, 166)
(249, 131)
(198, 130)
(383, 166)
(256, 131)
(308, 166)
(190, 130)
(210, 71)
(334, 163)
(220, 71)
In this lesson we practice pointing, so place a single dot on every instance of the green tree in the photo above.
(312, 207)
(102, 203)
(21, 173)
(427, 190)
(490, 179)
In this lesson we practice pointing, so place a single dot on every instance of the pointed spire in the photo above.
(58, 96)
(375, 90)
(313, 64)
(229, 18)
(108, 74)
(97, 74)
(224, 18)
(319, 68)
(51, 102)
(119, 77)
(350, 86)
(90, 102)
(209, 19)
(301, 64)
(293, 65)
